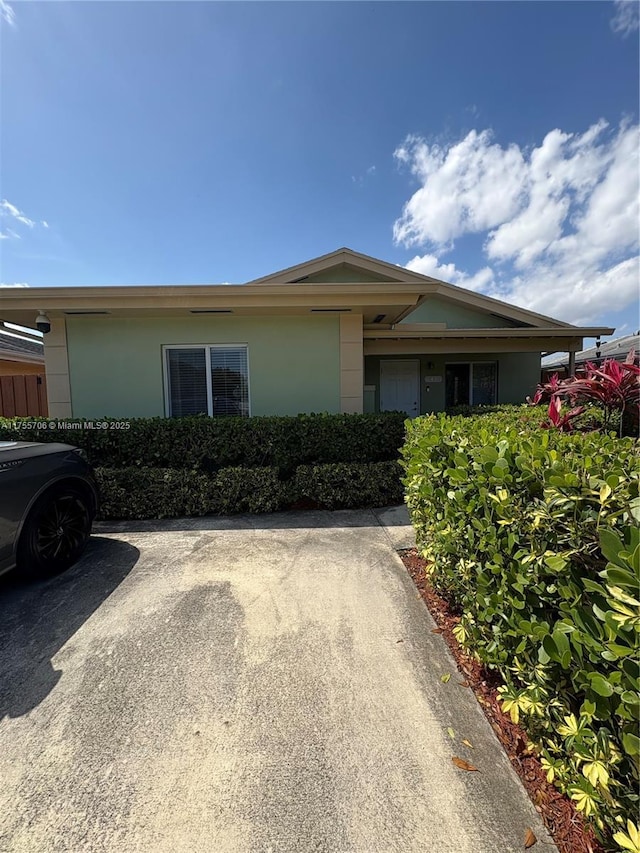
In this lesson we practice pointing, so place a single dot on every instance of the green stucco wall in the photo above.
(436, 310)
(344, 272)
(518, 375)
(115, 364)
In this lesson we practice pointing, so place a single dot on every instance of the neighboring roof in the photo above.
(393, 292)
(618, 348)
(20, 349)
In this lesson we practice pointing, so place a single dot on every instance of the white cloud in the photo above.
(8, 209)
(625, 18)
(577, 295)
(467, 188)
(561, 172)
(560, 221)
(9, 234)
(611, 219)
(429, 265)
(7, 14)
(360, 179)
(20, 284)
(44, 223)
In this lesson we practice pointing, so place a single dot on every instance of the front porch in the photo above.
(420, 383)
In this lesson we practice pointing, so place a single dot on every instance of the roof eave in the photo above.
(422, 334)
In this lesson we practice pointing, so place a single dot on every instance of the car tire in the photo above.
(55, 532)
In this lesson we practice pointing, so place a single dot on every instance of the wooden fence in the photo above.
(23, 396)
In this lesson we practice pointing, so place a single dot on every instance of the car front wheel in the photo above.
(55, 533)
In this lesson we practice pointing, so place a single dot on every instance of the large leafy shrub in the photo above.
(533, 537)
(209, 444)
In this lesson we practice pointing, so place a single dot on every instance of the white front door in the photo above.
(400, 386)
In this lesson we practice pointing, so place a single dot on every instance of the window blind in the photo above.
(229, 381)
(187, 379)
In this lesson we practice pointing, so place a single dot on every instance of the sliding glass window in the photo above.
(211, 380)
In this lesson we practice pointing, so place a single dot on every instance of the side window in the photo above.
(211, 380)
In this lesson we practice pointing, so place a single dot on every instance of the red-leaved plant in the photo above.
(613, 386)
(559, 419)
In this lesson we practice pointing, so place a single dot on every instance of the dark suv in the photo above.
(48, 500)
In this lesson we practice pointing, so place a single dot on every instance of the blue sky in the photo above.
(494, 145)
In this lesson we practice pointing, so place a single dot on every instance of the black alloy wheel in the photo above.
(55, 533)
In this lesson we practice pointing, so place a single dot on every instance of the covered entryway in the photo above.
(471, 383)
(400, 386)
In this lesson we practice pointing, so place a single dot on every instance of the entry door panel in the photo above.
(400, 386)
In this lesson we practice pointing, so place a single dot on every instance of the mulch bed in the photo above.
(564, 823)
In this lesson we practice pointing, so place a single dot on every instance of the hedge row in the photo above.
(533, 536)
(210, 444)
(134, 493)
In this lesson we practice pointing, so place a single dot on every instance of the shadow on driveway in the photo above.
(37, 619)
(391, 516)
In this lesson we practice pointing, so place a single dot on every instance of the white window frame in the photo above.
(470, 364)
(207, 363)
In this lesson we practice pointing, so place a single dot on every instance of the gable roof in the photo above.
(298, 272)
(376, 290)
(396, 274)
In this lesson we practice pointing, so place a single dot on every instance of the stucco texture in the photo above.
(116, 364)
(436, 310)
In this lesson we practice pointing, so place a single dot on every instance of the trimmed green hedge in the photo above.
(525, 415)
(210, 444)
(345, 485)
(132, 493)
(173, 493)
(533, 536)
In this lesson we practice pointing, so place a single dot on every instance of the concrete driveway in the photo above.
(262, 684)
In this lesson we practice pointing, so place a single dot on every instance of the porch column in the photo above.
(351, 364)
(572, 363)
(56, 363)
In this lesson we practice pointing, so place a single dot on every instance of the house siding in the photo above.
(518, 375)
(436, 310)
(116, 368)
